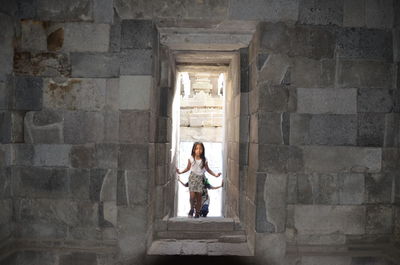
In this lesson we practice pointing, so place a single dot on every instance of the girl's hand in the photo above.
(177, 171)
(219, 174)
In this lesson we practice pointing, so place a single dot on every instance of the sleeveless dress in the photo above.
(197, 175)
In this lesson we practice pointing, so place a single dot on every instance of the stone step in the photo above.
(227, 236)
(209, 224)
(198, 247)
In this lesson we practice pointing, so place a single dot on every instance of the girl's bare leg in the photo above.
(192, 200)
(198, 204)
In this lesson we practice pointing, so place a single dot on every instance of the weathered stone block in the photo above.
(365, 74)
(23, 154)
(97, 177)
(390, 158)
(83, 127)
(306, 41)
(33, 36)
(371, 129)
(321, 12)
(351, 189)
(379, 187)
(314, 260)
(11, 127)
(136, 62)
(270, 127)
(52, 155)
(365, 44)
(392, 130)
(78, 258)
(107, 155)
(274, 69)
(82, 156)
(111, 127)
(375, 100)
(43, 127)
(5, 183)
(354, 13)
(64, 10)
(286, 10)
(43, 257)
(79, 183)
(323, 129)
(137, 34)
(112, 94)
(95, 64)
(134, 92)
(137, 187)
(134, 126)
(324, 219)
(274, 98)
(42, 64)
(4, 96)
(36, 182)
(103, 11)
(341, 159)
(379, 14)
(75, 94)
(6, 46)
(309, 73)
(28, 93)
(279, 158)
(329, 101)
(379, 219)
(133, 156)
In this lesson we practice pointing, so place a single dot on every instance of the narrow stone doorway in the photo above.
(201, 119)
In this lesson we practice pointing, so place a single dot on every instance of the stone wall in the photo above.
(325, 124)
(312, 131)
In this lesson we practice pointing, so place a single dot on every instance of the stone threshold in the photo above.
(199, 247)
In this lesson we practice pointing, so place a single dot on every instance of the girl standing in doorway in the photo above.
(198, 165)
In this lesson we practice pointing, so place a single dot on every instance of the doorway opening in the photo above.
(201, 100)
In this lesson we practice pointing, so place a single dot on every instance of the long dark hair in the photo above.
(203, 154)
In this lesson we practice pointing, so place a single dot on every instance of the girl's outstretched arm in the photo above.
(211, 172)
(185, 170)
(181, 182)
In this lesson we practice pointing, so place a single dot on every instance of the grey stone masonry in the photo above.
(321, 12)
(95, 64)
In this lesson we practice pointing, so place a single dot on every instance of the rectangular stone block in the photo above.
(379, 14)
(274, 98)
(86, 37)
(103, 11)
(79, 183)
(75, 94)
(6, 217)
(352, 188)
(83, 127)
(107, 155)
(134, 92)
(40, 182)
(392, 130)
(300, 40)
(341, 159)
(64, 10)
(365, 74)
(363, 43)
(326, 219)
(95, 64)
(28, 93)
(44, 64)
(111, 127)
(279, 158)
(112, 94)
(309, 73)
(52, 155)
(78, 258)
(375, 100)
(354, 13)
(44, 127)
(82, 156)
(137, 34)
(5, 183)
(371, 129)
(321, 12)
(4, 96)
(137, 187)
(33, 36)
(379, 187)
(323, 129)
(317, 188)
(136, 62)
(327, 260)
(326, 101)
(11, 127)
(264, 10)
(270, 128)
(133, 156)
(22, 154)
(390, 158)
(6, 46)
(379, 219)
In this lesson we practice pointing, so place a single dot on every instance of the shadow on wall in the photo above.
(200, 260)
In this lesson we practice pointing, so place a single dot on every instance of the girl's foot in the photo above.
(190, 214)
(196, 215)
